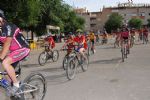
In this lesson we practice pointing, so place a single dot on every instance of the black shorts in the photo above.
(125, 38)
(92, 41)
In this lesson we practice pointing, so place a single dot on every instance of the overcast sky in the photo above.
(95, 5)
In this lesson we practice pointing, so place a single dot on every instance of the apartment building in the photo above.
(96, 20)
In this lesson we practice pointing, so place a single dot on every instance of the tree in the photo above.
(135, 23)
(148, 24)
(34, 15)
(114, 22)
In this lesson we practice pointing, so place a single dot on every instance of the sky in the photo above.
(96, 5)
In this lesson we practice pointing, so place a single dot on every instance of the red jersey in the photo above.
(125, 34)
(70, 43)
(80, 40)
(145, 32)
(50, 41)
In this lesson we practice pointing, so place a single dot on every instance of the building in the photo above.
(92, 19)
(96, 20)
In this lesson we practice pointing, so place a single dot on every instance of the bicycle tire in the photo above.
(42, 59)
(17, 98)
(65, 60)
(145, 39)
(71, 68)
(85, 64)
(122, 52)
(125, 52)
(55, 55)
(35, 79)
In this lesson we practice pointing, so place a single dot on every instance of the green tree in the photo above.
(148, 24)
(34, 15)
(114, 22)
(135, 23)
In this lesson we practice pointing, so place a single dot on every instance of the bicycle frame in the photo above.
(31, 88)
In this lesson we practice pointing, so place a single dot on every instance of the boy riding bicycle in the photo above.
(82, 44)
(92, 40)
(69, 43)
(50, 42)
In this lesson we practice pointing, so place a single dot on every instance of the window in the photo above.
(142, 14)
(93, 25)
(92, 19)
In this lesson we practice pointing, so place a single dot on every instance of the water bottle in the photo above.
(5, 83)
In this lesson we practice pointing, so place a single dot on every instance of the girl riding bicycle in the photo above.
(15, 48)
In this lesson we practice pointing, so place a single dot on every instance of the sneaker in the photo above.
(15, 91)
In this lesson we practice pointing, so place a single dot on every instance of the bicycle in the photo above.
(90, 49)
(48, 54)
(65, 59)
(124, 49)
(74, 60)
(116, 43)
(132, 40)
(145, 39)
(32, 88)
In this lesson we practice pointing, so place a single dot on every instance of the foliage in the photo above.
(114, 22)
(148, 24)
(34, 15)
(135, 23)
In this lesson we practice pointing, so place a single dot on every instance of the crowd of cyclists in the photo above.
(87, 42)
(130, 34)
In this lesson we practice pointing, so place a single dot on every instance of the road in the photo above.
(106, 79)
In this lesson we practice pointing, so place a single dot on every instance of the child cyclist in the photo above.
(50, 42)
(14, 49)
(69, 44)
(82, 44)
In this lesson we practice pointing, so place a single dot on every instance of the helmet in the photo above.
(2, 14)
(70, 33)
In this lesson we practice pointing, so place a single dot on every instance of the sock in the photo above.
(16, 84)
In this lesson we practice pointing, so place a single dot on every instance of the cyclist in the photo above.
(69, 43)
(51, 42)
(104, 37)
(92, 40)
(80, 39)
(15, 48)
(117, 39)
(145, 33)
(124, 36)
(132, 33)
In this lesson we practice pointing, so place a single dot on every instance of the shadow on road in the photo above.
(51, 70)
(107, 61)
(30, 65)
(54, 76)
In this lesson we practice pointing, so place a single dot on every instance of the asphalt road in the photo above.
(106, 79)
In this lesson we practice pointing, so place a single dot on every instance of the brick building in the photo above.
(96, 20)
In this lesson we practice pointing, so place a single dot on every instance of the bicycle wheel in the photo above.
(122, 53)
(71, 68)
(85, 63)
(88, 50)
(145, 40)
(55, 55)
(125, 52)
(42, 59)
(17, 98)
(37, 80)
(65, 61)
